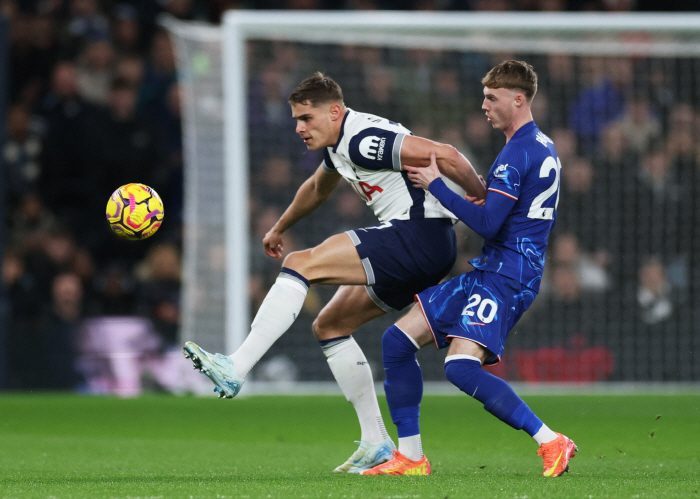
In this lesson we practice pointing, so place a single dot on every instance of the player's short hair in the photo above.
(513, 75)
(315, 90)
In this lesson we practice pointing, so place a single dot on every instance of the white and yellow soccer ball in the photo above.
(135, 212)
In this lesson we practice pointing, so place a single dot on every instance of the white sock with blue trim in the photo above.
(277, 313)
(354, 376)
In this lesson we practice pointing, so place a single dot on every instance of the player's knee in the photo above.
(298, 262)
(396, 346)
(325, 329)
(463, 374)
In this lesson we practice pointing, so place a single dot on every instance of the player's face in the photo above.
(499, 105)
(315, 124)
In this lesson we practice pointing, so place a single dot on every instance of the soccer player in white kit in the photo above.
(380, 268)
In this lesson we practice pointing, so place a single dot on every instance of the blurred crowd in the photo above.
(95, 103)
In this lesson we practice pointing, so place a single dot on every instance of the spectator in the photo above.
(159, 74)
(158, 298)
(639, 125)
(95, 71)
(59, 333)
(126, 30)
(275, 182)
(68, 174)
(34, 52)
(590, 269)
(21, 154)
(654, 292)
(86, 22)
(130, 68)
(597, 105)
(31, 223)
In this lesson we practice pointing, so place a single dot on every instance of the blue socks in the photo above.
(404, 387)
(404, 381)
(496, 395)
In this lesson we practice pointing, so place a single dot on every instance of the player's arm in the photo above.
(415, 151)
(485, 220)
(312, 193)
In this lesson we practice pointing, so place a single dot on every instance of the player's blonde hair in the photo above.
(513, 75)
(316, 89)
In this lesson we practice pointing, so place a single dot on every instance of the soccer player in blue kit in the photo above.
(472, 314)
(379, 268)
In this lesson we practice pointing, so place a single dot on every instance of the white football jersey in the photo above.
(368, 156)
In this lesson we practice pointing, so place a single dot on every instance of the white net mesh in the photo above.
(621, 103)
(199, 69)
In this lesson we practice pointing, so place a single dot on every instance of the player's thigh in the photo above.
(334, 261)
(464, 346)
(415, 325)
(350, 308)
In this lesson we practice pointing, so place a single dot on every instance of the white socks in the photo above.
(277, 313)
(544, 435)
(354, 376)
(411, 447)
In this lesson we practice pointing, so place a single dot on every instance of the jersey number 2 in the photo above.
(536, 210)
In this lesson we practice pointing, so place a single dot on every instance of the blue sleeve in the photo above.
(376, 149)
(509, 172)
(484, 220)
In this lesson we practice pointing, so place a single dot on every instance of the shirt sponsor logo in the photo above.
(501, 171)
(372, 147)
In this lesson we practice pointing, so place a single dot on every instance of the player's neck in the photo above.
(517, 123)
(338, 126)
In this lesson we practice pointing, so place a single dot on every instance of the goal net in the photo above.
(619, 95)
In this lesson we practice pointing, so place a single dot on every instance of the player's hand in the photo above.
(273, 244)
(474, 199)
(422, 177)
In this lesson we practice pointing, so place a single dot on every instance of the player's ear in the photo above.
(336, 111)
(520, 99)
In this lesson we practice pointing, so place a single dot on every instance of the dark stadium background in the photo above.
(88, 93)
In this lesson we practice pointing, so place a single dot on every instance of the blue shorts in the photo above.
(403, 257)
(479, 306)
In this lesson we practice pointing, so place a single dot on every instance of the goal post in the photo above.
(265, 53)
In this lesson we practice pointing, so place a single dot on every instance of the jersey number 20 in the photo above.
(536, 209)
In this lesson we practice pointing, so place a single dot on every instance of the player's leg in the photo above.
(403, 386)
(350, 308)
(335, 261)
(463, 368)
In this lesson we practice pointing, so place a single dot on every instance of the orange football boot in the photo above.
(556, 455)
(401, 465)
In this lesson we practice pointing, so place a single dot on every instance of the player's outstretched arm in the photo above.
(415, 151)
(485, 220)
(312, 194)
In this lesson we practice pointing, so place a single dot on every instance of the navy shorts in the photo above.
(403, 257)
(479, 306)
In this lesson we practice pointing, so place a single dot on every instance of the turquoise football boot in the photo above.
(367, 456)
(217, 367)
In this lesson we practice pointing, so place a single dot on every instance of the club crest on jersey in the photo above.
(543, 139)
(372, 147)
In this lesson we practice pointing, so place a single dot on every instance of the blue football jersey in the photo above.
(527, 170)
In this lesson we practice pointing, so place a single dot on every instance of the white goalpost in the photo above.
(233, 74)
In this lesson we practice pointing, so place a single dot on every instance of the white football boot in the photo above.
(217, 367)
(367, 456)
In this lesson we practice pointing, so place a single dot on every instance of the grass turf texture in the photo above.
(68, 446)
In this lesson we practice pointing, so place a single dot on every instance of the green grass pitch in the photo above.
(68, 446)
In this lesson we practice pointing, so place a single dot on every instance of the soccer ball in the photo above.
(134, 212)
